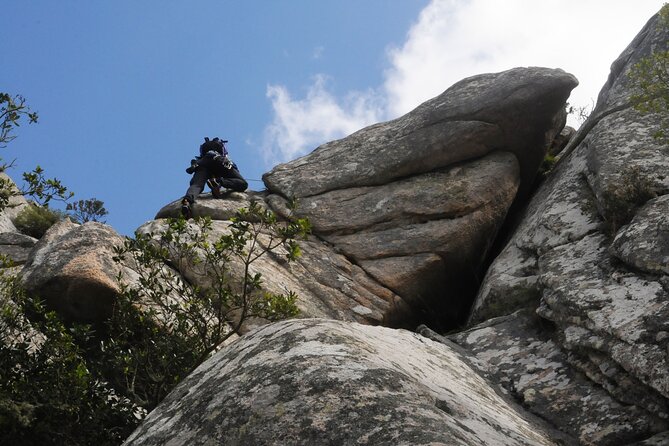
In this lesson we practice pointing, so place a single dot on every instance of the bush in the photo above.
(70, 384)
(164, 327)
(34, 220)
(48, 396)
(91, 209)
(650, 82)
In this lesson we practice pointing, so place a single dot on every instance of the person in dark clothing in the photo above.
(214, 168)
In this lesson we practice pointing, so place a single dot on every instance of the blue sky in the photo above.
(127, 89)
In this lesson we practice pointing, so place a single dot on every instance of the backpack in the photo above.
(216, 145)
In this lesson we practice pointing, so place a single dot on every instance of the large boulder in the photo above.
(306, 382)
(514, 111)
(72, 268)
(584, 266)
(417, 201)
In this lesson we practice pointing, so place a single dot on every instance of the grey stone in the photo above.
(216, 208)
(434, 184)
(327, 284)
(644, 243)
(603, 285)
(518, 352)
(518, 110)
(313, 381)
(561, 140)
(16, 246)
(16, 203)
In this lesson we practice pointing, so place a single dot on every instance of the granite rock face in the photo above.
(520, 353)
(16, 246)
(330, 382)
(71, 267)
(16, 203)
(417, 201)
(328, 285)
(590, 255)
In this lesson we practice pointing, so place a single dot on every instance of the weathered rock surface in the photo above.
(605, 287)
(514, 111)
(327, 284)
(518, 352)
(217, 209)
(16, 246)
(15, 205)
(329, 382)
(644, 243)
(561, 140)
(423, 196)
(71, 267)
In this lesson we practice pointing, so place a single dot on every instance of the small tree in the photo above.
(650, 80)
(175, 325)
(12, 110)
(48, 394)
(91, 209)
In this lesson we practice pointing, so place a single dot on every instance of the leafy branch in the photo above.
(12, 110)
(177, 322)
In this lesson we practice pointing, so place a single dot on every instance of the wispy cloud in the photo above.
(454, 39)
(318, 52)
(300, 125)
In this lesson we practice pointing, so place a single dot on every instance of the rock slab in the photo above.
(306, 382)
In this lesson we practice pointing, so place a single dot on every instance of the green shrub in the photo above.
(650, 82)
(547, 165)
(164, 327)
(48, 395)
(34, 220)
(91, 209)
(69, 384)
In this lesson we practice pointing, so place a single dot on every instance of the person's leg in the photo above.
(232, 179)
(196, 184)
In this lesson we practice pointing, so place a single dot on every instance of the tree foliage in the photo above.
(42, 190)
(83, 211)
(74, 384)
(178, 324)
(13, 110)
(48, 394)
(650, 81)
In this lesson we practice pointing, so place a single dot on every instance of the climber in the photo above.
(214, 168)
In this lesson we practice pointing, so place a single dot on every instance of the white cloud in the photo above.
(318, 52)
(300, 125)
(454, 39)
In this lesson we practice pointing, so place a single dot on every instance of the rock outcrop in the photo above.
(519, 352)
(16, 246)
(571, 320)
(417, 201)
(16, 203)
(72, 268)
(329, 382)
(598, 279)
(328, 285)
